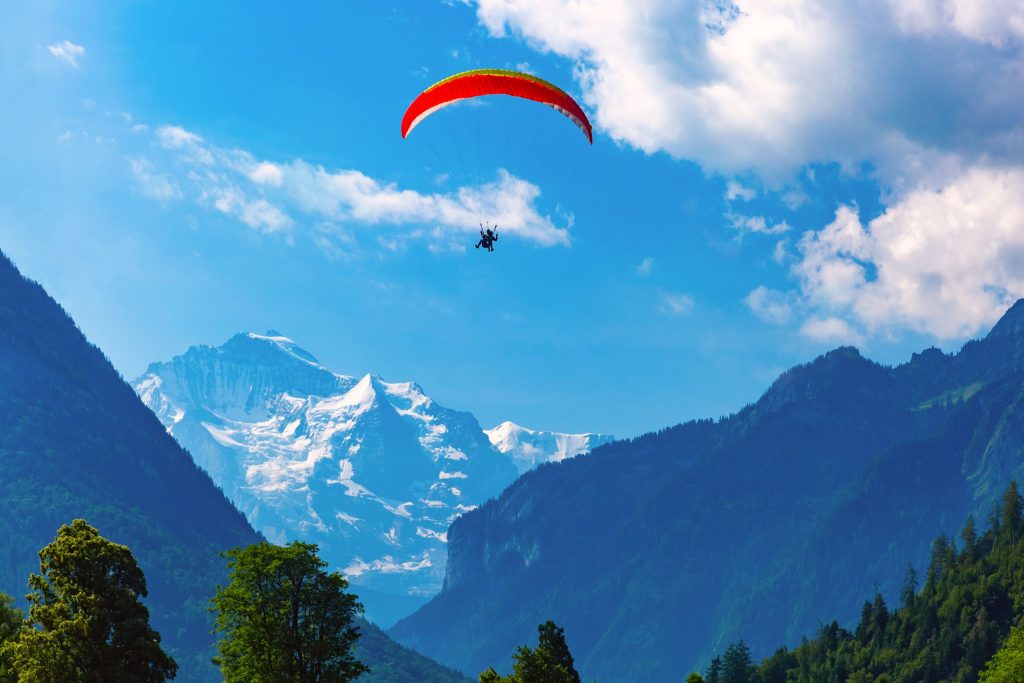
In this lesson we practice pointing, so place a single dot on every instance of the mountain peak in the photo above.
(528, 448)
(241, 376)
(831, 374)
(1011, 324)
(507, 428)
(364, 392)
(277, 341)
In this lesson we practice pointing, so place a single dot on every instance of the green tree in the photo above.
(969, 536)
(1007, 666)
(1011, 515)
(946, 631)
(550, 662)
(695, 678)
(284, 618)
(737, 664)
(908, 591)
(11, 619)
(11, 622)
(87, 622)
(492, 676)
(715, 671)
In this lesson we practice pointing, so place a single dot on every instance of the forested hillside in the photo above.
(947, 625)
(656, 553)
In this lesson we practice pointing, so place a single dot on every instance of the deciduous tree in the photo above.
(284, 619)
(87, 623)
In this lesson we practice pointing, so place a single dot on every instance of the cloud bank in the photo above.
(773, 85)
(276, 197)
(946, 263)
(924, 94)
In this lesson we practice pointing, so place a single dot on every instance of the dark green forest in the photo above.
(949, 624)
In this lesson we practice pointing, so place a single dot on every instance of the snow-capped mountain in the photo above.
(372, 471)
(529, 448)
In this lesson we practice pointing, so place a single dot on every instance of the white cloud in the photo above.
(733, 190)
(773, 85)
(677, 304)
(645, 267)
(794, 199)
(174, 137)
(151, 184)
(277, 196)
(266, 173)
(770, 305)
(831, 331)
(781, 251)
(756, 224)
(66, 51)
(942, 262)
(996, 22)
(256, 213)
(351, 195)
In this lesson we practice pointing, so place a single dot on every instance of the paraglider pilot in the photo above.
(487, 239)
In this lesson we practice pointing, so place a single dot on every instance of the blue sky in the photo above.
(768, 180)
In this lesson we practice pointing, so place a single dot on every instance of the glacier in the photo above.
(372, 471)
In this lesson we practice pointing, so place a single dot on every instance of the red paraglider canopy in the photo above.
(493, 82)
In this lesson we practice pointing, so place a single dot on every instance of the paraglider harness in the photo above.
(487, 239)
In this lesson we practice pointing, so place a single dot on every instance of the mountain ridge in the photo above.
(708, 532)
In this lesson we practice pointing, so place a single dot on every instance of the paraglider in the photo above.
(487, 239)
(480, 82)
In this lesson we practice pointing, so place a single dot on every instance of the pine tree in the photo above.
(969, 536)
(1011, 513)
(737, 664)
(715, 671)
(865, 627)
(552, 639)
(550, 662)
(908, 591)
(880, 615)
(945, 632)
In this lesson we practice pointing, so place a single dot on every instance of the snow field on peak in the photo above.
(372, 471)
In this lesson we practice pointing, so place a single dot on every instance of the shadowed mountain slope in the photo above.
(76, 442)
(656, 552)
